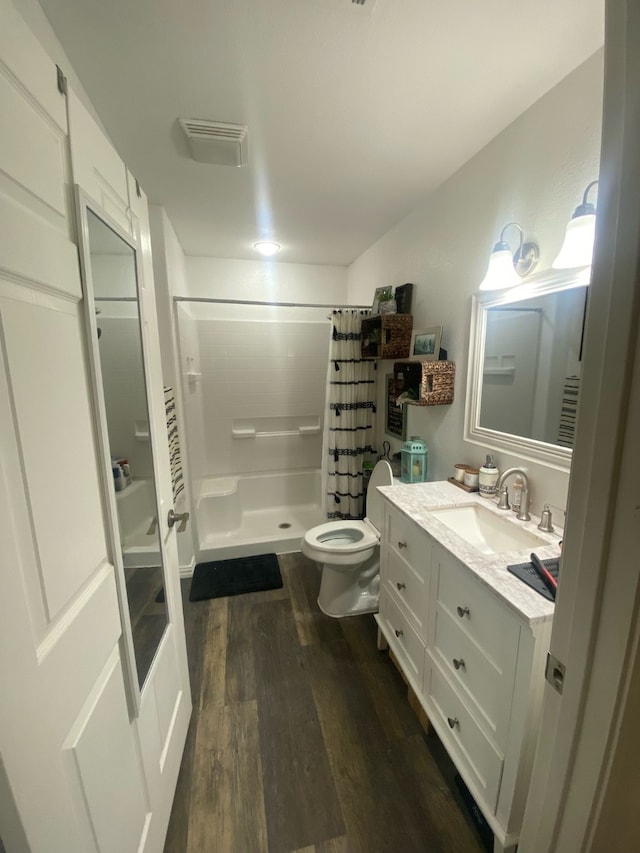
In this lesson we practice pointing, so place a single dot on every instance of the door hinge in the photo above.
(138, 190)
(554, 672)
(62, 81)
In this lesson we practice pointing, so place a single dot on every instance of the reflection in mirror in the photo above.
(113, 272)
(531, 370)
(524, 367)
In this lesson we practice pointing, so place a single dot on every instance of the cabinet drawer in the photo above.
(479, 678)
(410, 588)
(406, 644)
(463, 738)
(493, 628)
(408, 540)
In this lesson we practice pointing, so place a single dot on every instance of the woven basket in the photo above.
(386, 336)
(433, 379)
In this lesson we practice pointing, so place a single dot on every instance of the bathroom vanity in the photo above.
(470, 638)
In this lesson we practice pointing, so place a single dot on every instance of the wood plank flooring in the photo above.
(302, 739)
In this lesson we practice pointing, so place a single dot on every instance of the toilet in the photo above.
(349, 554)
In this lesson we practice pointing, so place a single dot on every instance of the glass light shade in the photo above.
(577, 249)
(501, 272)
(267, 248)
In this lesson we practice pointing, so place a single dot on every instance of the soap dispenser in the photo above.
(488, 478)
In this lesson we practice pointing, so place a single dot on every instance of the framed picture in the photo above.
(394, 423)
(403, 298)
(382, 294)
(425, 344)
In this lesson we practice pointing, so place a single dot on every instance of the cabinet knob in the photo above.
(458, 663)
(401, 585)
(462, 611)
(399, 633)
(453, 722)
(402, 545)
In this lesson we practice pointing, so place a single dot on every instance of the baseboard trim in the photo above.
(187, 571)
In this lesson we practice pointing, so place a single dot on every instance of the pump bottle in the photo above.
(488, 478)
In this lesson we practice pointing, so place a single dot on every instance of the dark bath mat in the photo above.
(235, 577)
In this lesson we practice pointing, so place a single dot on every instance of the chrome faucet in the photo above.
(503, 495)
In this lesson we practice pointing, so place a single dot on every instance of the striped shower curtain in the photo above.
(349, 417)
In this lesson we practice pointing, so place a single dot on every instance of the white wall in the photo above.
(534, 172)
(269, 281)
(262, 369)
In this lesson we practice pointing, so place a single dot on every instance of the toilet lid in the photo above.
(382, 476)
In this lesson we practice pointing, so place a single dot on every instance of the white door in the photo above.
(129, 403)
(575, 791)
(78, 771)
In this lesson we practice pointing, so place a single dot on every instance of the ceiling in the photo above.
(355, 112)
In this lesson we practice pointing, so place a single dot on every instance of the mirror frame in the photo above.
(532, 450)
(85, 202)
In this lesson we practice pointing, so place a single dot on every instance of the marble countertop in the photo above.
(417, 501)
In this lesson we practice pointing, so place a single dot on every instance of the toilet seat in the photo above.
(343, 537)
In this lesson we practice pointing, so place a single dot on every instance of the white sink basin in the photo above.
(485, 530)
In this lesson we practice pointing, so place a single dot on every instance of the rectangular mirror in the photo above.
(112, 291)
(525, 365)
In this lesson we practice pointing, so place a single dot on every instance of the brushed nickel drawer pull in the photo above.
(462, 611)
(458, 663)
(402, 545)
(453, 722)
(401, 585)
(399, 633)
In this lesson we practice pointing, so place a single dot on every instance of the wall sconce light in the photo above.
(506, 270)
(577, 249)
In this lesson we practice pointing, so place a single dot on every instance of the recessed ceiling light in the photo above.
(267, 248)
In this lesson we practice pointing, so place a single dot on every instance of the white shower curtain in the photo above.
(349, 417)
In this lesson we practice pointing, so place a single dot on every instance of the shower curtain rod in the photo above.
(268, 304)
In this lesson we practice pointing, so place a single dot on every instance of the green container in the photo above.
(414, 461)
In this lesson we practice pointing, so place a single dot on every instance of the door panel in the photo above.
(41, 346)
(102, 738)
(97, 168)
(31, 168)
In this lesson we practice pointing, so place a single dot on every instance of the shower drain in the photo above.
(284, 525)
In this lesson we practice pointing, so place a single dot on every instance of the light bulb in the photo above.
(267, 248)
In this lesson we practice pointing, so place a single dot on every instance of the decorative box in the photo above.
(429, 383)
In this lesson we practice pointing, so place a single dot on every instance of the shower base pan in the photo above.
(257, 514)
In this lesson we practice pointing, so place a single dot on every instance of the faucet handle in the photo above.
(545, 520)
(503, 498)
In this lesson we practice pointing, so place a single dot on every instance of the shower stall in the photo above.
(253, 390)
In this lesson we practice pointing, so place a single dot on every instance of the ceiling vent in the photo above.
(216, 142)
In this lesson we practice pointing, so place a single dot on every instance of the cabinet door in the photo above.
(475, 640)
(471, 750)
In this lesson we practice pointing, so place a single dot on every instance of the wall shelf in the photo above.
(430, 382)
(386, 336)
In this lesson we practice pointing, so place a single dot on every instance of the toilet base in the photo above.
(349, 593)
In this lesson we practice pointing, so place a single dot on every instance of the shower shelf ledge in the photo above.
(252, 433)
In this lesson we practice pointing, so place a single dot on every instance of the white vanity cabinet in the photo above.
(474, 661)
